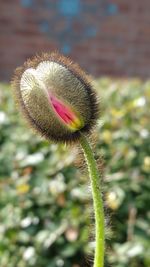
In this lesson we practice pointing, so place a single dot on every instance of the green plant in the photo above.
(58, 101)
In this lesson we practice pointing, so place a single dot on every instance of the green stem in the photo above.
(97, 202)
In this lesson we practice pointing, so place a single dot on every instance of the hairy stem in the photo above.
(97, 202)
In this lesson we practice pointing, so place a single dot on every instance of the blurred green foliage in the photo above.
(45, 203)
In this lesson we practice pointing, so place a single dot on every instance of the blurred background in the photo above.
(46, 217)
(105, 36)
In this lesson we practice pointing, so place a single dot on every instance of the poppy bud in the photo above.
(56, 97)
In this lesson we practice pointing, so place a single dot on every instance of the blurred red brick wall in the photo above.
(119, 45)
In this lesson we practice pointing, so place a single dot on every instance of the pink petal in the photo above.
(64, 112)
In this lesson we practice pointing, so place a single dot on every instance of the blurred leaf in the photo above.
(45, 201)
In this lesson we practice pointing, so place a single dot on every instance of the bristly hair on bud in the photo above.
(56, 97)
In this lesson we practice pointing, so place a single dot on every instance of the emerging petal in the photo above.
(67, 115)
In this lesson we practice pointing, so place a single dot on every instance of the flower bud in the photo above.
(56, 97)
